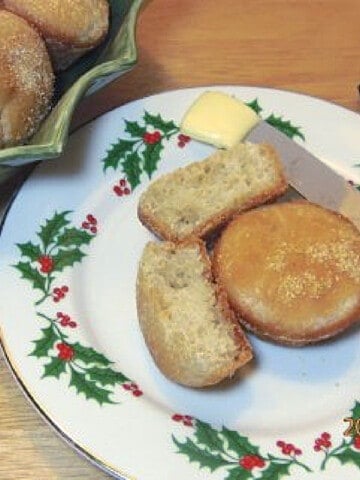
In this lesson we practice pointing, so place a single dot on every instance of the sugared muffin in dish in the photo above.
(69, 27)
(26, 80)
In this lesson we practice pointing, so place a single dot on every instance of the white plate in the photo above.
(292, 395)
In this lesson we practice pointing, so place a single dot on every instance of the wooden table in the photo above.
(309, 46)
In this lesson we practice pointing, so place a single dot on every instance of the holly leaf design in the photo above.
(67, 258)
(52, 228)
(255, 106)
(238, 473)
(284, 126)
(208, 437)
(54, 368)
(199, 455)
(137, 155)
(106, 376)
(157, 122)
(152, 157)
(275, 471)
(117, 152)
(45, 343)
(90, 389)
(131, 166)
(348, 456)
(30, 250)
(74, 237)
(32, 274)
(356, 410)
(238, 443)
(88, 355)
(134, 129)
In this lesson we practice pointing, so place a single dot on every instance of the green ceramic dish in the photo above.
(115, 56)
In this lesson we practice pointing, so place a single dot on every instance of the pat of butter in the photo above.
(218, 119)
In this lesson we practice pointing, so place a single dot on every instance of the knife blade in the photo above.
(311, 177)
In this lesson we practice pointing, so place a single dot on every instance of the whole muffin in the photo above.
(291, 271)
(69, 27)
(26, 80)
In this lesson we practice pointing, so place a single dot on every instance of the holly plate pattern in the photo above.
(239, 459)
(69, 323)
(59, 246)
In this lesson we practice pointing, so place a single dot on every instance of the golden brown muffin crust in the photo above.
(292, 271)
(78, 22)
(26, 79)
(69, 27)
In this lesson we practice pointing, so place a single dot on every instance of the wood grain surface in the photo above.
(308, 46)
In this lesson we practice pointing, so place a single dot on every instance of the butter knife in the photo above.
(307, 174)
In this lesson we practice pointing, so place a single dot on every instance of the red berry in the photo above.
(156, 136)
(181, 144)
(65, 288)
(317, 448)
(147, 137)
(72, 324)
(126, 386)
(327, 444)
(183, 138)
(85, 225)
(57, 291)
(93, 230)
(137, 393)
(280, 443)
(56, 299)
(287, 449)
(64, 322)
(118, 190)
(151, 138)
(297, 451)
(126, 191)
(177, 417)
(59, 315)
(122, 182)
(357, 442)
(187, 423)
(91, 219)
(188, 417)
(66, 353)
(326, 436)
(46, 263)
(248, 462)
